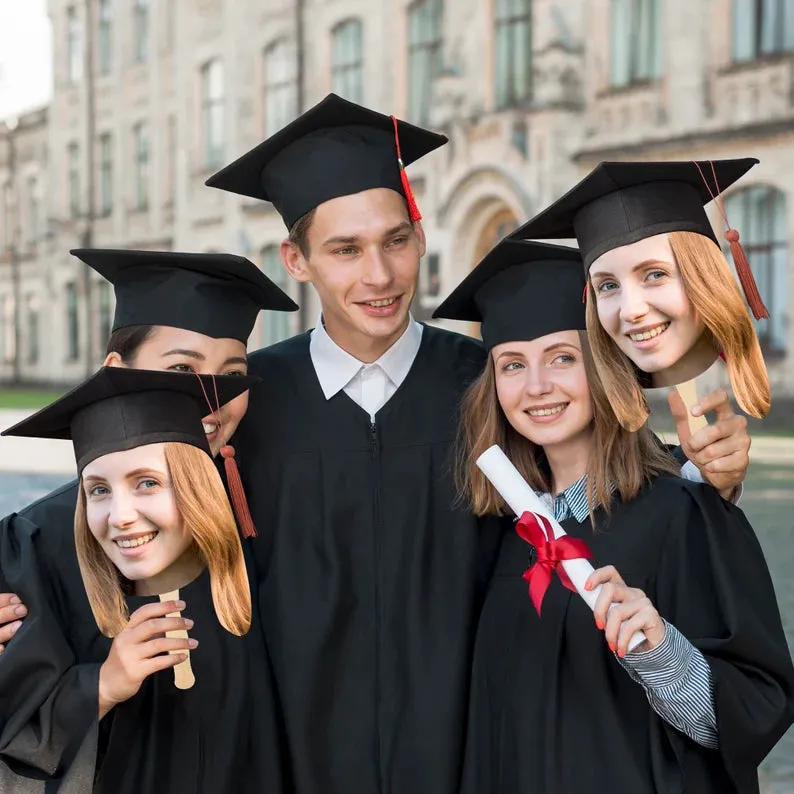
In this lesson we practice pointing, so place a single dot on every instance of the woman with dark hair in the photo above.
(559, 704)
(176, 312)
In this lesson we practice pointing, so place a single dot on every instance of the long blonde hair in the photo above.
(204, 507)
(618, 457)
(712, 289)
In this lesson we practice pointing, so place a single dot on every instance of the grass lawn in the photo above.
(20, 399)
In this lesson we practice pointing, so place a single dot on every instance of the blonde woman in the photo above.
(662, 300)
(183, 698)
(558, 704)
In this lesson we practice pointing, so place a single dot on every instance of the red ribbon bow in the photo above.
(537, 531)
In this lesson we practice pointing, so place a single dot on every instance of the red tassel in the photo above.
(239, 502)
(745, 275)
(413, 209)
(584, 293)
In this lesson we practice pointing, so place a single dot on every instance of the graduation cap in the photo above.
(337, 148)
(119, 408)
(521, 291)
(218, 295)
(619, 203)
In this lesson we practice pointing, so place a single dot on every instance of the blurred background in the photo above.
(114, 112)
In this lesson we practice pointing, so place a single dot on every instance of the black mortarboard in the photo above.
(620, 203)
(337, 148)
(521, 291)
(218, 295)
(120, 408)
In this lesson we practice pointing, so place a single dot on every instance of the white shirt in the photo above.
(368, 385)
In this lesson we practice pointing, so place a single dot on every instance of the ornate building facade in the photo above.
(150, 98)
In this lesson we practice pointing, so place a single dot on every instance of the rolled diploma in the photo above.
(504, 476)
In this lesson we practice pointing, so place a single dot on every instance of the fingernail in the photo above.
(621, 653)
(588, 586)
(15, 600)
(2, 648)
(192, 643)
(600, 624)
(611, 647)
(21, 611)
(15, 626)
(188, 623)
(180, 604)
(696, 410)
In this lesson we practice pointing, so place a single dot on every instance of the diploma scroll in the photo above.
(514, 489)
(183, 672)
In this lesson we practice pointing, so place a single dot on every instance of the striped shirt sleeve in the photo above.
(678, 683)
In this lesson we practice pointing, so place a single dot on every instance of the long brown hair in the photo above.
(715, 296)
(204, 507)
(618, 457)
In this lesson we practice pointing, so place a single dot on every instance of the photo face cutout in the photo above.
(643, 306)
(132, 513)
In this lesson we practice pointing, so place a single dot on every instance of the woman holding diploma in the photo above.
(558, 703)
(184, 698)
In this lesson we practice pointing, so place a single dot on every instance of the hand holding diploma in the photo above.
(542, 526)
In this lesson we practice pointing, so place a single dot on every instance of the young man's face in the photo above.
(363, 260)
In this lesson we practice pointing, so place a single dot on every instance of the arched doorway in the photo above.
(500, 224)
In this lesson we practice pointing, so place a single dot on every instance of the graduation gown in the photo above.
(49, 676)
(218, 737)
(553, 712)
(49, 671)
(371, 577)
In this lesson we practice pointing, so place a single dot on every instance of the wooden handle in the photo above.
(183, 672)
(689, 394)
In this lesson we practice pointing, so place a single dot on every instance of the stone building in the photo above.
(151, 97)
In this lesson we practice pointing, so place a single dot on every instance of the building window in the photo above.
(105, 309)
(72, 323)
(762, 27)
(140, 30)
(9, 325)
(759, 213)
(280, 97)
(34, 209)
(425, 55)
(73, 155)
(33, 328)
(212, 113)
(635, 41)
(105, 43)
(275, 325)
(105, 174)
(347, 60)
(74, 45)
(513, 52)
(432, 275)
(140, 138)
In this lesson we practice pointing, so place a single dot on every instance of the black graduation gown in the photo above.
(371, 578)
(218, 737)
(49, 672)
(552, 710)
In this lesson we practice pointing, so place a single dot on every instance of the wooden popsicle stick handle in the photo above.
(183, 672)
(689, 394)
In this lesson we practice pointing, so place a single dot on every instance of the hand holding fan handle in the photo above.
(183, 672)
(689, 396)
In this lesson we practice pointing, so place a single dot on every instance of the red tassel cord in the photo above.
(413, 209)
(745, 275)
(743, 270)
(237, 497)
(237, 493)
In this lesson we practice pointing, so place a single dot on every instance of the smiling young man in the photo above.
(371, 572)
